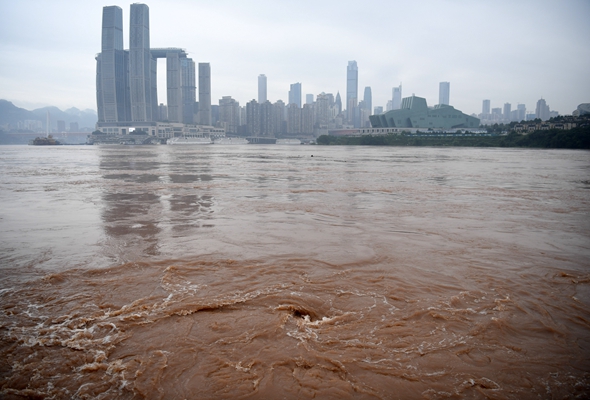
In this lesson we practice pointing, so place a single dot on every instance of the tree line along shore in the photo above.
(576, 138)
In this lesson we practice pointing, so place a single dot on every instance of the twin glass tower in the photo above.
(126, 80)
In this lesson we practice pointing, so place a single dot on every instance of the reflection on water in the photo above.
(139, 208)
(264, 272)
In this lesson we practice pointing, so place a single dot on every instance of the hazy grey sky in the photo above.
(504, 50)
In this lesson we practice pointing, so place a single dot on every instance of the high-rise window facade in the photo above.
(485, 107)
(368, 99)
(111, 69)
(262, 88)
(352, 89)
(140, 64)
(204, 93)
(396, 100)
(444, 93)
(295, 94)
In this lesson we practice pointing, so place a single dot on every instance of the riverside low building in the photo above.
(415, 114)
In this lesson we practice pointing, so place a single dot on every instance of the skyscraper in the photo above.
(444, 93)
(295, 94)
(279, 124)
(293, 118)
(396, 100)
(368, 99)
(542, 110)
(485, 107)
(141, 65)
(229, 114)
(261, 88)
(352, 88)
(253, 118)
(507, 110)
(204, 93)
(266, 120)
(338, 103)
(173, 90)
(188, 90)
(112, 84)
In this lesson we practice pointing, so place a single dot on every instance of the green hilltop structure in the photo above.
(415, 113)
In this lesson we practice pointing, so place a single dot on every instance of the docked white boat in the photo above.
(288, 141)
(189, 140)
(230, 140)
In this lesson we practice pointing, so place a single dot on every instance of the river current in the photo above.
(295, 272)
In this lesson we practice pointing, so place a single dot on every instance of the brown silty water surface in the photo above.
(263, 272)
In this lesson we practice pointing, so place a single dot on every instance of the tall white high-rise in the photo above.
(485, 107)
(295, 94)
(396, 101)
(444, 93)
(507, 110)
(204, 93)
(141, 65)
(368, 99)
(112, 92)
(352, 91)
(261, 88)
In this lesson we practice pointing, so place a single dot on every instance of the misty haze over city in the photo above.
(507, 52)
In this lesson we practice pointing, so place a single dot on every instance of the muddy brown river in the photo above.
(294, 272)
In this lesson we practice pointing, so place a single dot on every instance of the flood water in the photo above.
(294, 272)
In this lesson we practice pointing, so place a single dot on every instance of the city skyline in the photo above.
(518, 63)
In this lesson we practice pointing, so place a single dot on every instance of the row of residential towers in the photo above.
(126, 80)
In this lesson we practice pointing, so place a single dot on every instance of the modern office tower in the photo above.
(205, 94)
(180, 85)
(253, 118)
(307, 120)
(293, 118)
(188, 90)
(396, 99)
(309, 98)
(378, 110)
(141, 65)
(444, 93)
(542, 110)
(173, 82)
(485, 108)
(520, 112)
(352, 89)
(229, 114)
(112, 85)
(368, 99)
(389, 105)
(74, 127)
(338, 103)
(507, 109)
(279, 125)
(261, 88)
(295, 94)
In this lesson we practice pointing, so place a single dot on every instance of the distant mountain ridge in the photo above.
(11, 115)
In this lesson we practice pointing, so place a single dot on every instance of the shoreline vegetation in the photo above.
(576, 138)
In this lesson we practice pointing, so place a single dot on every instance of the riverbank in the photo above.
(577, 138)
